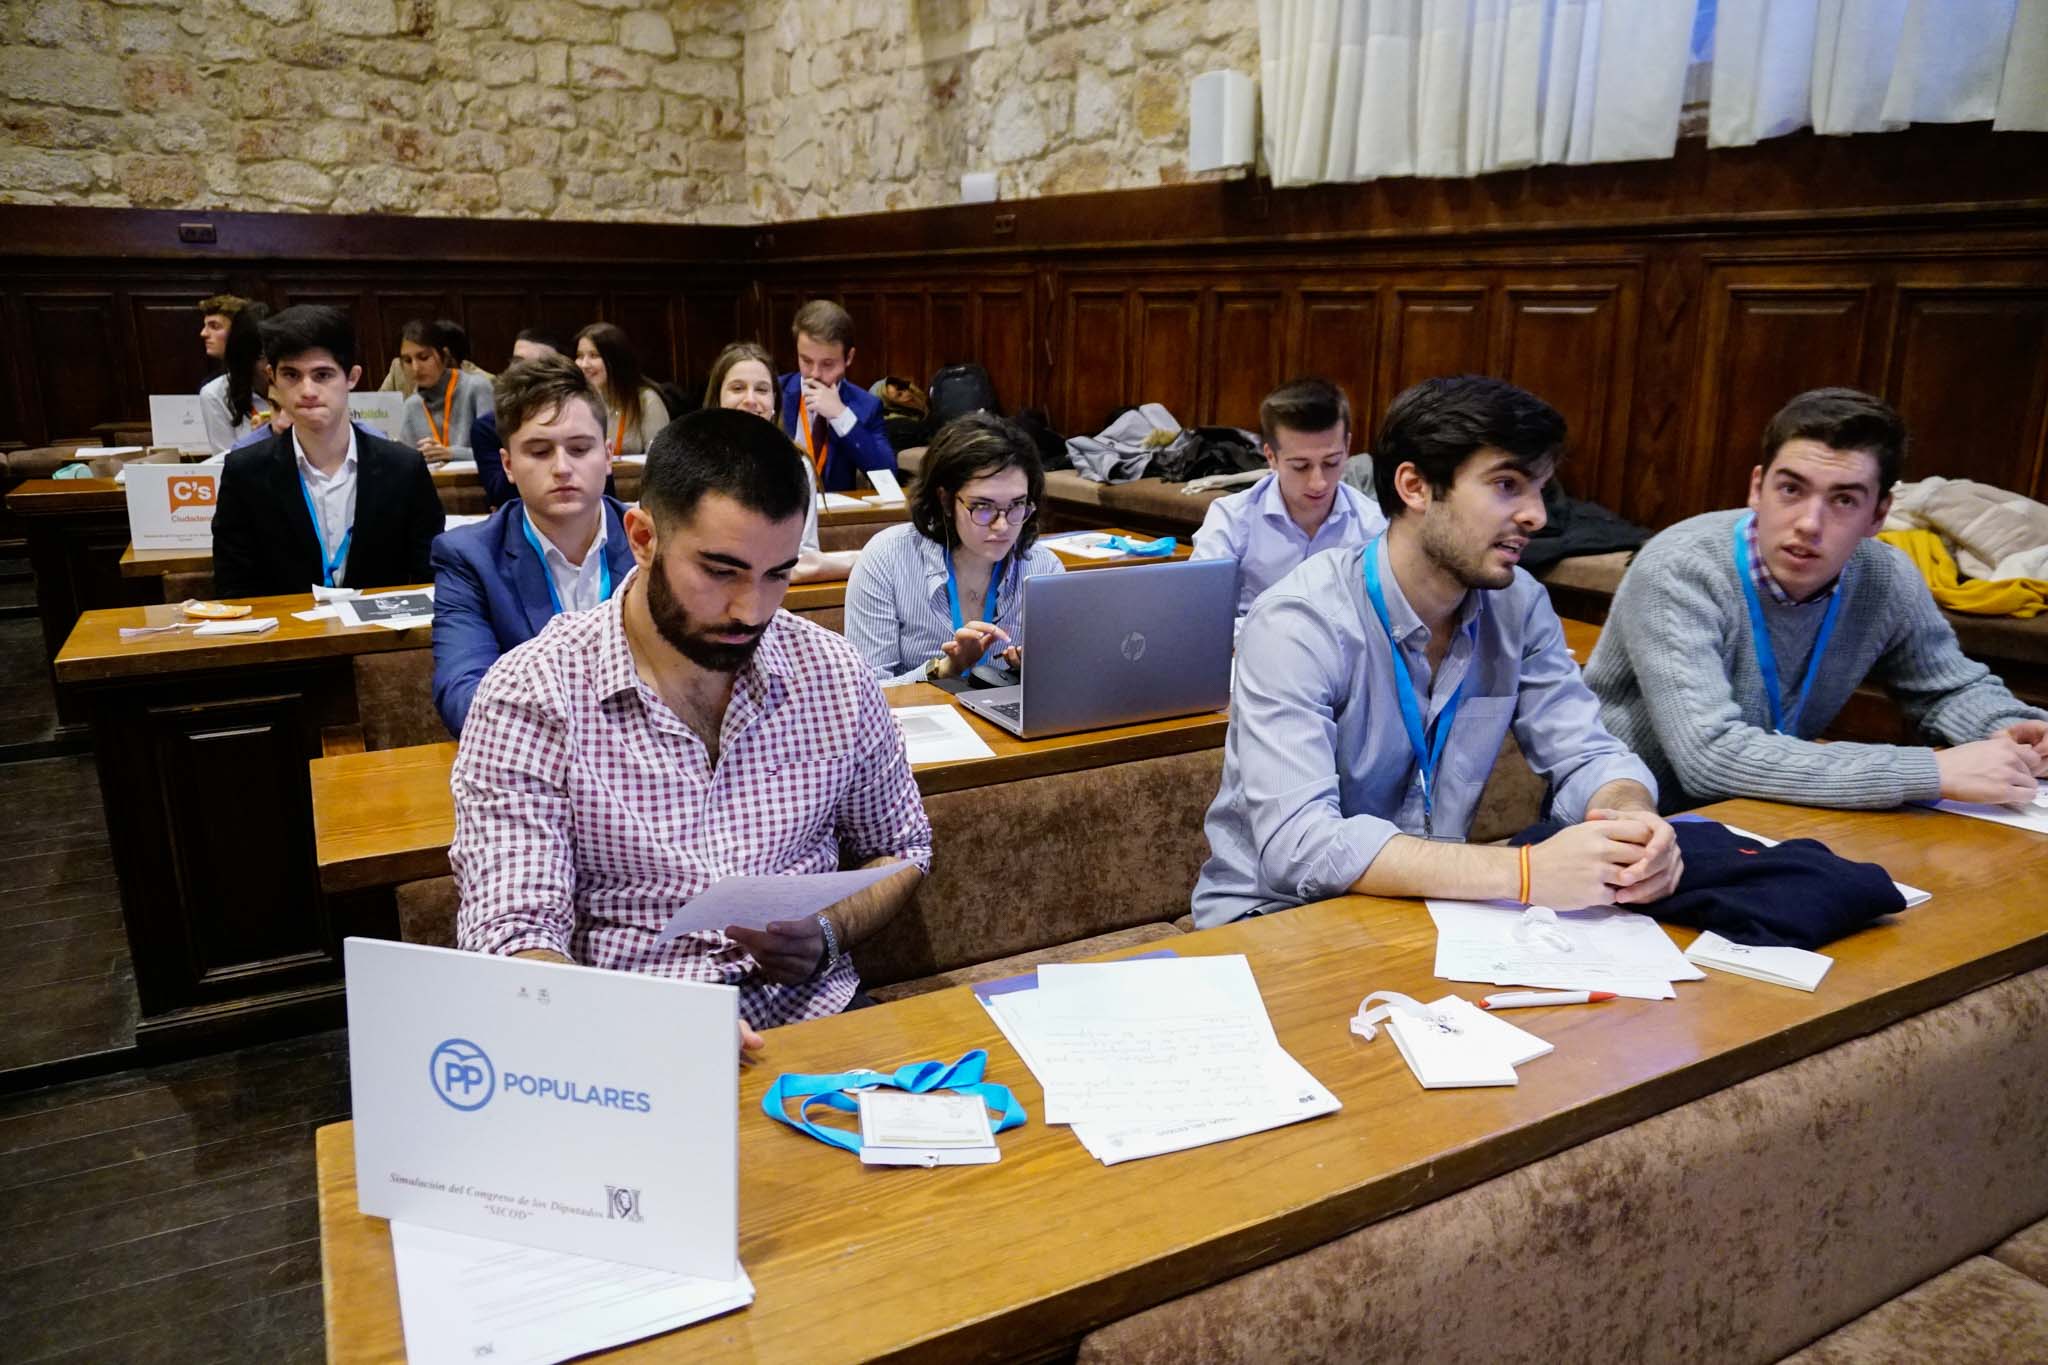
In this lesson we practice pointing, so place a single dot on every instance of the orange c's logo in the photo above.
(195, 490)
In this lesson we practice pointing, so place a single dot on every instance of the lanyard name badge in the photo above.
(1760, 636)
(988, 608)
(833, 1091)
(604, 568)
(328, 567)
(447, 402)
(1427, 743)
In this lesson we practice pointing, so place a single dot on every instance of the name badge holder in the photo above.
(839, 1090)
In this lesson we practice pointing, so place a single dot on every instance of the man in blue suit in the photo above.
(836, 424)
(559, 546)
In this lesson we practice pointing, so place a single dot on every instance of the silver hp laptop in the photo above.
(1119, 646)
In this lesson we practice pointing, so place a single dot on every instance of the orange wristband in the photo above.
(1523, 897)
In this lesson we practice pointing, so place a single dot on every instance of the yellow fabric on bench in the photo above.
(2021, 597)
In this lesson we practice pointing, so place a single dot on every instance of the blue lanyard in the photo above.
(604, 567)
(328, 567)
(963, 1076)
(988, 608)
(1427, 753)
(1760, 636)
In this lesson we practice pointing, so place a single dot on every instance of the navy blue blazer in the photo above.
(865, 447)
(491, 593)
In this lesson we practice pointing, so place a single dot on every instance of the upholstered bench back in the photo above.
(395, 699)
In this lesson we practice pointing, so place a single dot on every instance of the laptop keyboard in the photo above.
(1008, 710)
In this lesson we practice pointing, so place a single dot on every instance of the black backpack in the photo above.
(960, 389)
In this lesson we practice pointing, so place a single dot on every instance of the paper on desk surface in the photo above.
(830, 501)
(1610, 950)
(459, 466)
(1085, 544)
(392, 610)
(755, 902)
(326, 594)
(1780, 966)
(938, 734)
(2033, 817)
(888, 492)
(248, 625)
(467, 1299)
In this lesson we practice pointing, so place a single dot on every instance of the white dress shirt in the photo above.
(334, 498)
(578, 587)
(1254, 528)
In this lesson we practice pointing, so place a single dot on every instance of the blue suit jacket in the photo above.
(491, 593)
(865, 447)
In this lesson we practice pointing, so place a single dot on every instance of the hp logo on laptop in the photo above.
(1134, 646)
(462, 1075)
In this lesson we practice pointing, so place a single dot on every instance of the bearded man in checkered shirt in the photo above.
(688, 729)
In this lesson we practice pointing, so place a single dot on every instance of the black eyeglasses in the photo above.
(1013, 514)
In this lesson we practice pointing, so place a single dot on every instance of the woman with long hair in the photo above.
(237, 402)
(607, 360)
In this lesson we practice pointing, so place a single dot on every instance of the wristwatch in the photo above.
(831, 944)
(932, 667)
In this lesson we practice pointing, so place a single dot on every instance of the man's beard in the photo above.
(1450, 551)
(676, 627)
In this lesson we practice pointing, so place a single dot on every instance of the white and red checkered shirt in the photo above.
(586, 812)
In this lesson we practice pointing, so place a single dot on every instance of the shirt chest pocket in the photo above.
(1476, 737)
(800, 792)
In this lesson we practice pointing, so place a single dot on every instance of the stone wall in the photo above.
(566, 109)
(709, 111)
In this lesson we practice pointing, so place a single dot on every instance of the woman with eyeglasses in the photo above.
(935, 598)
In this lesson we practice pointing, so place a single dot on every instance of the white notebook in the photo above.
(1462, 1045)
(1794, 967)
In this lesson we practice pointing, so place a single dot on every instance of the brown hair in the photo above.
(227, 305)
(1843, 419)
(971, 447)
(529, 388)
(729, 357)
(824, 320)
(1304, 405)
(622, 377)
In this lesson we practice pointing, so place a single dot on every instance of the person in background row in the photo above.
(560, 545)
(607, 359)
(835, 422)
(445, 401)
(1303, 507)
(743, 377)
(215, 314)
(1737, 637)
(398, 378)
(237, 403)
(485, 446)
(928, 600)
(322, 502)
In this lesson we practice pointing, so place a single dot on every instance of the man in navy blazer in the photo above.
(320, 502)
(844, 421)
(558, 546)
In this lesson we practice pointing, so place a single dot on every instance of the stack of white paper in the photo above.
(938, 734)
(2032, 817)
(1794, 967)
(1155, 1054)
(467, 1298)
(1600, 948)
(1084, 544)
(1460, 1044)
(834, 502)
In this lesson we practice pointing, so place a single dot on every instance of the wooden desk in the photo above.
(202, 748)
(890, 1260)
(388, 817)
(806, 599)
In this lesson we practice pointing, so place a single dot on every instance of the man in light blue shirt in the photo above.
(1374, 687)
(1304, 506)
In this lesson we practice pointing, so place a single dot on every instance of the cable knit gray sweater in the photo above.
(1677, 676)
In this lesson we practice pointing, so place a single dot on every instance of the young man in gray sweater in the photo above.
(1799, 582)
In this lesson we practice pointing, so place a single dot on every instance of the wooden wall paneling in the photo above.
(1169, 355)
(494, 318)
(1095, 356)
(711, 322)
(1431, 330)
(20, 404)
(651, 329)
(1005, 343)
(1653, 469)
(868, 340)
(1565, 343)
(902, 338)
(1246, 360)
(1334, 333)
(1969, 372)
(64, 327)
(782, 306)
(1769, 332)
(169, 357)
(567, 312)
(949, 333)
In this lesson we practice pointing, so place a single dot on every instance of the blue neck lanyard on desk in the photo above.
(1760, 636)
(1427, 743)
(988, 608)
(963, 1076)
(604, 568)
(328, 567)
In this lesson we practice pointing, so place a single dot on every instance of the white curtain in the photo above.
(1863, 66)
(1356, 89)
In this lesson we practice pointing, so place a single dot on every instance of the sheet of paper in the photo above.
(631, 459)
(248, 625)
(1441, 1057)
(1602, 948)
(326, 613)
(399, 610)
(325, 594)
(756, 902)
(1793, 967)
(1913, 894)
(1085, 544)
(2033, 817)
(894, 1118)
(1137, 1070)
(828, 502)
(887, 490)
(454, 520)
(1162, 988)
(938, 734)
(464, 1299)
(459, 466)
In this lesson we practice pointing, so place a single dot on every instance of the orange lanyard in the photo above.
(447, 399)
(803, 423)
(619, 436)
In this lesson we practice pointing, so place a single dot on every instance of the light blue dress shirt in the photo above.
(1253, 528)
(897, 615)
(1317, 771)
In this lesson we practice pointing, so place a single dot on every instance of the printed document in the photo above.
(1599, 948)
(2030, 817)
(755, 902)
(938, 734)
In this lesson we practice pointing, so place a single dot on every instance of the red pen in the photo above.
(1515, 1000)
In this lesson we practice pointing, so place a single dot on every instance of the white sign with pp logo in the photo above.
(568, 1108)
(170, 506)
